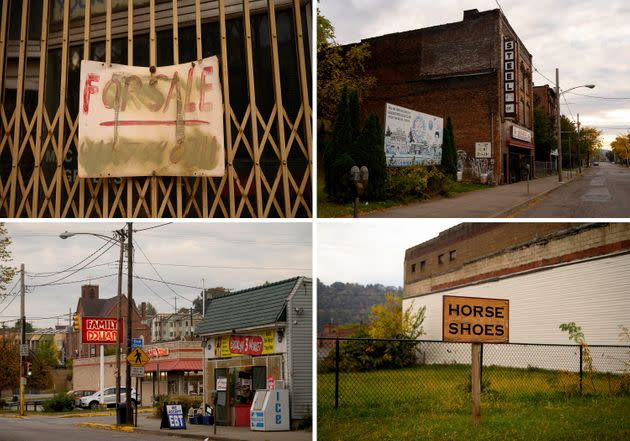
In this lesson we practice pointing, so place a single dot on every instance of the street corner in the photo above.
(106, 426)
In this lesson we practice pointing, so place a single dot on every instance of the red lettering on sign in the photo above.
(188, 106)
(89, 89)
(203, 106)
(246, 344)
(99, 330)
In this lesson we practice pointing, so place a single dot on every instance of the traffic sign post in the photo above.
(24, 350)
(137, 371)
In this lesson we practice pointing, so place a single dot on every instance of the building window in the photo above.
(423, 264)
(413, 267)
(441, 259)
(452, 255)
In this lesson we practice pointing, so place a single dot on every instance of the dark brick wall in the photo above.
(471, 241)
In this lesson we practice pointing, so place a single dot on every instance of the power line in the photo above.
(70, 268)
(150, 228)
(158, 274)
(9, 304)
(72, 281)
(542, 75)
(169, 283)
(10, 291)
(151, 289)
(226, 266)
(600, 97)
(63, 271)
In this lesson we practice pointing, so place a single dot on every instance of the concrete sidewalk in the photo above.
(198, 432)
(500, 201)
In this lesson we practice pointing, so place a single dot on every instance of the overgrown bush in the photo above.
(186, 401)
(60, 402)
(417, 182)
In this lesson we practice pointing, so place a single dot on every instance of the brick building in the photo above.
(478, 72)
(90, 305)
(552, 273)
(545, 98)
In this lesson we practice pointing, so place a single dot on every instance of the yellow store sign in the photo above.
(237, 345)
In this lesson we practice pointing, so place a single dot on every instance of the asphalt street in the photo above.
(60, 429)
(602, 192)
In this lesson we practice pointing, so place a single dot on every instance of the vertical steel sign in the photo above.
(509, 79)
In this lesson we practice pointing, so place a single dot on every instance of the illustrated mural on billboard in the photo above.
(412, 137)
(136, 121)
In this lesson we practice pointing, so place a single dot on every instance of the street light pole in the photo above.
(129, 321)
(558, 130)
(121, 237)
(579, 142)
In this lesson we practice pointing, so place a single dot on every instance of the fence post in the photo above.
(337, 373)
(581, 369)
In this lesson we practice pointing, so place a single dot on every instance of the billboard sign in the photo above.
(139, 121)
(412, 137)
(99, 330)
(475, 320)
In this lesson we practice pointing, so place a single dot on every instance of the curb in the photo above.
(99, 414)
(506, 213)
(180, 434)
(107, 427)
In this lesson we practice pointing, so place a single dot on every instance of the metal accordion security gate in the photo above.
(264, 50)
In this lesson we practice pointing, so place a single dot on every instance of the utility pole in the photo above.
(579, 142)
(175, 304)
(119, 337)
(558, 129)
(129, 322)
(22, 339)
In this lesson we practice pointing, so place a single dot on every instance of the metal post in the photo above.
(121, 238)
(579, 142)
(101, 380)
(129, 321)
(356, 206)
(337, 373)
(22, 338)
(137, 393)
(581, 369)
(558, 126)
(571, 160)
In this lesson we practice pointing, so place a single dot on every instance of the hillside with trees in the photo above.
(348, 303)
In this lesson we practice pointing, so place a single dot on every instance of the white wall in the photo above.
(593, 294)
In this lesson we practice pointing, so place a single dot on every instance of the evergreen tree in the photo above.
(372, 141)
(341, 145)
(449, 152)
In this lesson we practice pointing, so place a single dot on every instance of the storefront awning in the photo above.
(514, 143)
(173, 365)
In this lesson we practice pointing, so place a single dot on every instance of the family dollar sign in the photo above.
(475, 320)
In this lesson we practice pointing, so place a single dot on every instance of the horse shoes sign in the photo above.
(139, 121)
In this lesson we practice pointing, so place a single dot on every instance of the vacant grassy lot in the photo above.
(433, 402)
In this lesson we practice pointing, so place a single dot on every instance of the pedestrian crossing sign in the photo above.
(137, 357)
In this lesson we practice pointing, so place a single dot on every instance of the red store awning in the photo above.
(173, 365)
(514, 143)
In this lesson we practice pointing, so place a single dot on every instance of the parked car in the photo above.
(80, 393)
(109, 398)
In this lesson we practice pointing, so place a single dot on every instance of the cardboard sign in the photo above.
(99, 330)
(173, 417)
(135, 122)
(475, 320)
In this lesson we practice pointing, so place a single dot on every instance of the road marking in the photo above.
(597, 194)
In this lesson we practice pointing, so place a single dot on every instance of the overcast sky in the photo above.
(230, 255)
(588, 40)
(370, 251)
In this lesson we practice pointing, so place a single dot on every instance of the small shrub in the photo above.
(60, 402)
(305, 423)
(417, 182)
(186, 401)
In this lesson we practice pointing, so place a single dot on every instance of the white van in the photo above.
(109, 398)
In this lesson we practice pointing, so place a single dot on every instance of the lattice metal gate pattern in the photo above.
(265, 67)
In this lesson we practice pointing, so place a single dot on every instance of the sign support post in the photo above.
(476, 383)
(102, 374)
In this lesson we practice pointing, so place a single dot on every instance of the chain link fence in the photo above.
(361, 372)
